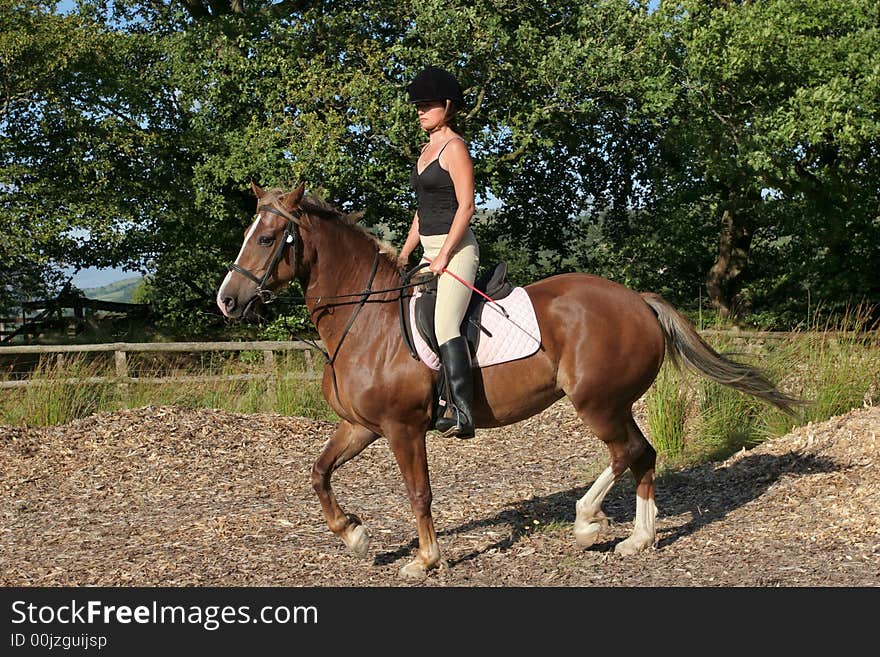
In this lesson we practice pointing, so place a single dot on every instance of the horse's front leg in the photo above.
(408, 446)
(348, 441)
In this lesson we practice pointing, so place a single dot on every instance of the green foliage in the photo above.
(288, 326)
(832, 365)
(728, 419)
(734, 139)
(124, 291)
(839, 361)
(66, 389)
(769, 117)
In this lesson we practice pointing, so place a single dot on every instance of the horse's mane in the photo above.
(316, 206)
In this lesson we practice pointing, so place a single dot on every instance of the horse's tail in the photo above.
(683, 342)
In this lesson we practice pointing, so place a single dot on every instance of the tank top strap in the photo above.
(447, 144)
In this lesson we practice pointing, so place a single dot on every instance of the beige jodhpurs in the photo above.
(452, 296)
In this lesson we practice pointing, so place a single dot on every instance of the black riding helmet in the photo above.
(435, 84)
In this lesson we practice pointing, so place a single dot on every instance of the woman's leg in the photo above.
(453, 298)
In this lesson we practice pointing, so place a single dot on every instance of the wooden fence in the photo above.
(268, 348)
(123, 377)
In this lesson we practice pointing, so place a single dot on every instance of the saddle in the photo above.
(493, 284)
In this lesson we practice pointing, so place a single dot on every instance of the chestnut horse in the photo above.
(602, 345)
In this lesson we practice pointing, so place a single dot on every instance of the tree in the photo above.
(649, 146)
(176, 104)
(770, 124)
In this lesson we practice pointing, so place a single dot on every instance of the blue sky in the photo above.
(94, 277)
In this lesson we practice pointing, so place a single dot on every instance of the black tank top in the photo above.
(435, 194)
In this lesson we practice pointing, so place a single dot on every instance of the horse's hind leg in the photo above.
(590, 522)
(348, 441)
(642, 468)
(629, 450)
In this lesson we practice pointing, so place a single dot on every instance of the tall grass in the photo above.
(667, 406)
(841, 369)
(62, 391)
(834, 365)
(54, 398)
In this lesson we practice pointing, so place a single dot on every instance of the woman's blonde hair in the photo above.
(450, 113)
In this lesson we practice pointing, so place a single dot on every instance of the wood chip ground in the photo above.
(167, 496)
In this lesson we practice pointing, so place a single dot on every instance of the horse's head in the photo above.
(268, 255)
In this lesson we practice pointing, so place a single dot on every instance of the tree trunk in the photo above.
(725, 279)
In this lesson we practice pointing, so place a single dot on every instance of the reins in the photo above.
(364, 296)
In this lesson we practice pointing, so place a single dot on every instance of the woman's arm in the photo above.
(412, 241)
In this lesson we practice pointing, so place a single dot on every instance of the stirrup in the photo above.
(455, 430)
(452, 431)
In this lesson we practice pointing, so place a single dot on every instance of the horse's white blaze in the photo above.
(222, 290)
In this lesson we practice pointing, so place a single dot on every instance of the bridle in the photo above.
(290, 236)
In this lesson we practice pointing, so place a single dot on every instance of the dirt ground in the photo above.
(166, 496)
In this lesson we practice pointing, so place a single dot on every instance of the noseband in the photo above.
(290, 236)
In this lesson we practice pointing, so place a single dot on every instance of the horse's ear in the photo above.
(294, 198)
(257, 189)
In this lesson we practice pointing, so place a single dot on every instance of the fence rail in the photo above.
(121, 350)
(268, 348)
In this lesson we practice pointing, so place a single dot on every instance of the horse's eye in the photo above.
(265, 240)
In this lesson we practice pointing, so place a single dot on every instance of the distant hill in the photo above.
(119, 291)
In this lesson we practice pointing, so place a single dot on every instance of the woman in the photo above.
(443, 179)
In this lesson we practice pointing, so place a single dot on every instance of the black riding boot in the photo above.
(455, 357)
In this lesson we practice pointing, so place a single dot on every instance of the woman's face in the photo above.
(432, 113)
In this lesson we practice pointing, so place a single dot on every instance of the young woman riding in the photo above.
(443, 179)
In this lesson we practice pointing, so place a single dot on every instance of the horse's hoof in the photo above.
(414, 571)
(589, 526)
(586, 535)
(357, 539)
(633, 545)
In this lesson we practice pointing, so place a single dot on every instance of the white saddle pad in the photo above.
(510, 337)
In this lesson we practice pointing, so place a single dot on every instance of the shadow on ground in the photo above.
(707, 492)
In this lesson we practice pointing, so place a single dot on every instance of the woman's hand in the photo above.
(439, 263)
(402, 261)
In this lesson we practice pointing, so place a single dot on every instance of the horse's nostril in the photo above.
(229, 302)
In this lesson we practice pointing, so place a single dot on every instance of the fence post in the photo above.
(269, 367)
(122, 376)
(310, 368)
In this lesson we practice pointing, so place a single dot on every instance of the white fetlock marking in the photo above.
(587, 535)
(644, 532)
(590, 521)
(414, 570)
